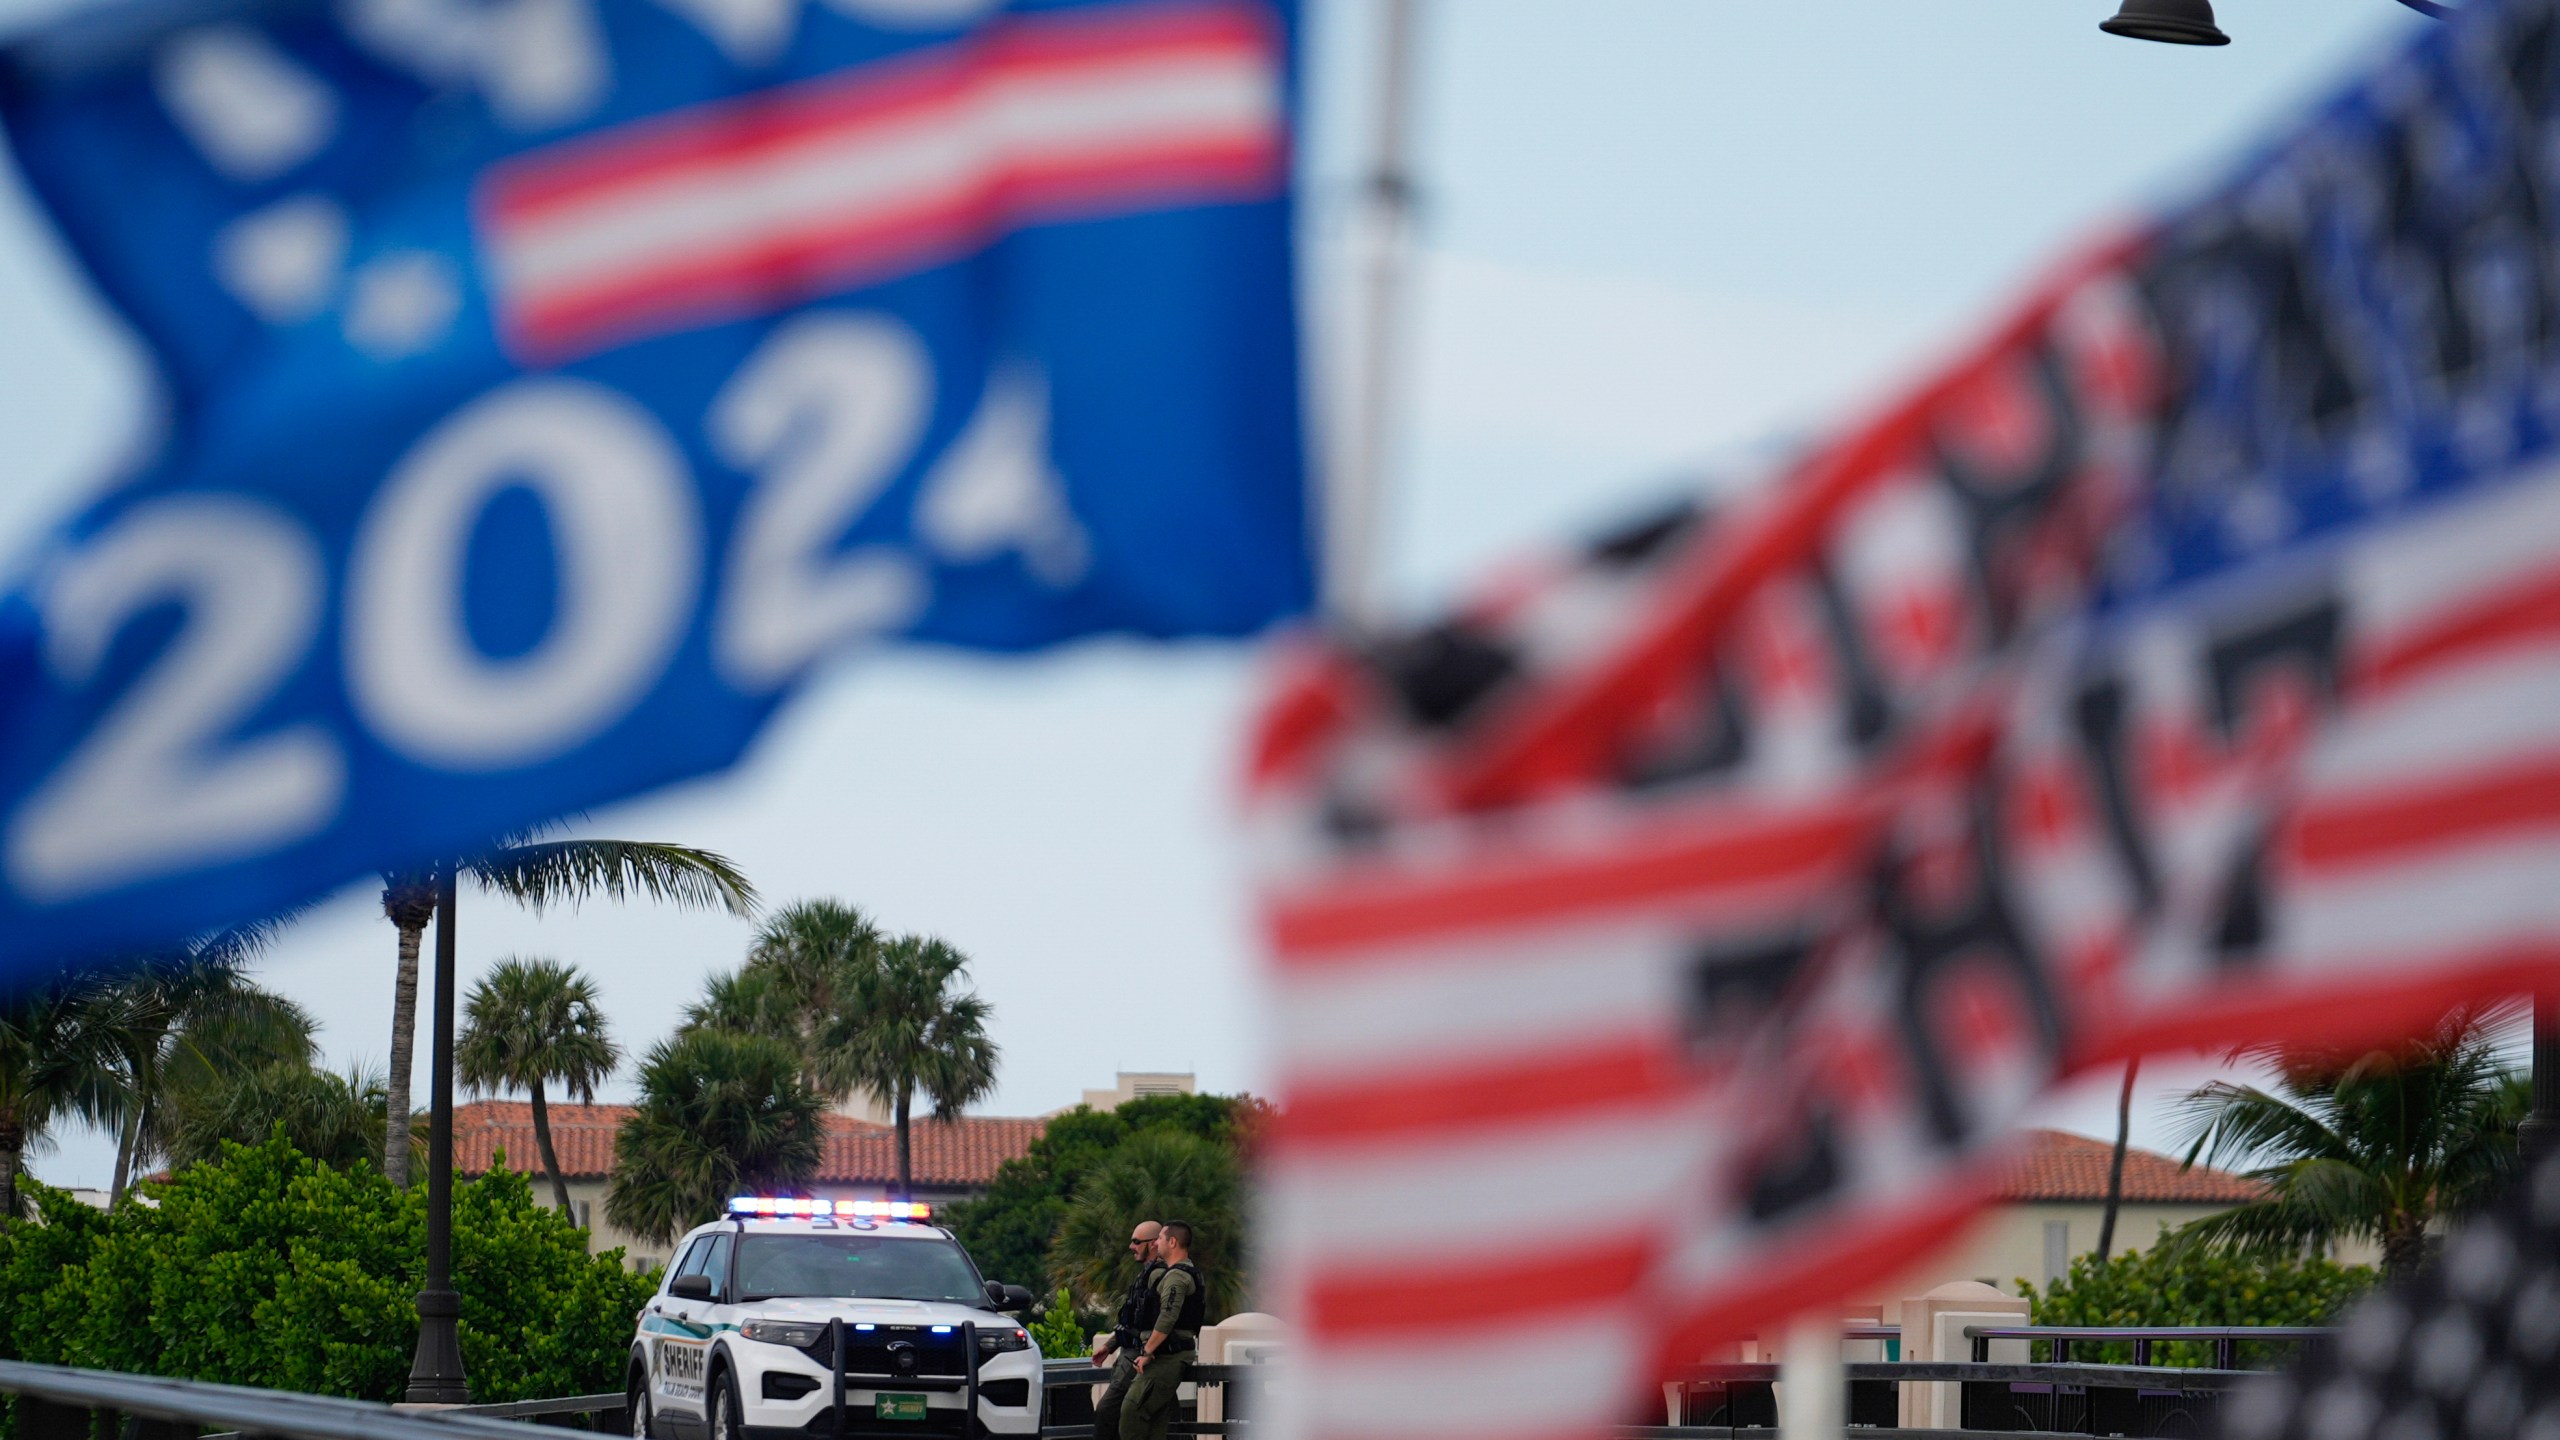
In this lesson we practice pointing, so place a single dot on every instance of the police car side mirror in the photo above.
(995, 1294)
(691, 1287)
(1016, 1298)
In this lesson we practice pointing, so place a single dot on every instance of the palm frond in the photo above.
(554, 872)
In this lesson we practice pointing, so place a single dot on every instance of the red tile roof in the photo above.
(2053, 1165)
(963, 1152)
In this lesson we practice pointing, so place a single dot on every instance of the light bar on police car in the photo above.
(787, 1207)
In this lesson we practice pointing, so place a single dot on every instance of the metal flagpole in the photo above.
(1382, 240)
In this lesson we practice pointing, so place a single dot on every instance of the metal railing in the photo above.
(1236, 1380)
(60, 1403)
(2225, 1339)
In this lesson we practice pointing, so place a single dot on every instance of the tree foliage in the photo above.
(865, 1012)
(333, 1119)
(265, 1267)
(720, 1114)
(1009, 1230)
(1156, 1174)
(528, 1023)
(178, 1025)
(2162, 1286)
(539, 874)
(56, 1060)
(910, 1031)
(2375, 1146)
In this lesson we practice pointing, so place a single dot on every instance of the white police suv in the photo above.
(812, 1319)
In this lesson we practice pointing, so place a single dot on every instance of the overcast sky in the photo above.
(1658, 234)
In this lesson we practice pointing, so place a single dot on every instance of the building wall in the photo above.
(2035, 1240)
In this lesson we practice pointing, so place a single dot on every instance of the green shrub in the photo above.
(1058, 1333)
(266, 1267)
(2160, 1287)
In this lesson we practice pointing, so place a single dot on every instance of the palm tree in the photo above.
(408, 902)
(906, 1032)
(335, 1119)
(2373, 1146)
(54, 1061)
(805, 971)
(1156, 1174)
(529, 1021)
(176, 1019)
(720, 1114)
(538, 874)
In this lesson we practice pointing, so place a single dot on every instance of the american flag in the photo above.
(1661, 941)
(749, 205)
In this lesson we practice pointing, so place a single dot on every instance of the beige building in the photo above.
(952, 1161)
(1135, 1083)
(2051, 1198)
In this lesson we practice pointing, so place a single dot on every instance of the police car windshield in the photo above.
(855, 1267)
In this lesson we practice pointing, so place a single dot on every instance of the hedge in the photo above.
(268, 1268)
(2163, 1287)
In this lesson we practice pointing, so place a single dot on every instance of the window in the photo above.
(2057, 1251)
(866, 1267)
(694, 1255)
(716, 1265)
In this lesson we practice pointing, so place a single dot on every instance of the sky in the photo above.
(1658, 237)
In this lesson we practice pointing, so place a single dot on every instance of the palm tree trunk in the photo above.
(404, 1047)
(126, 1142)
(550, 1157)
(906, 1158)
(2115, 1167)
(13, 1153)
(2404, 1247)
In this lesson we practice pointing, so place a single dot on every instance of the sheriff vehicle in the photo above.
(811, 1319)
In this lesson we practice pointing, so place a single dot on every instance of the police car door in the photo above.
(680, 1356)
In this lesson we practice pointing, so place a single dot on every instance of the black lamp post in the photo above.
(2190, 22)
(435, 1373)
(2171, 22)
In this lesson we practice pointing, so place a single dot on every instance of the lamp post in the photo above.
(435, 1372)
(2190, 22)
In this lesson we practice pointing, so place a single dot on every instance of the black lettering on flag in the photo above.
(1949, 925)
(2004, 513)
(2099, 714)
(1866, 711)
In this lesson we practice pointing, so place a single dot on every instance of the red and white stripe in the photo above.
(744, 206)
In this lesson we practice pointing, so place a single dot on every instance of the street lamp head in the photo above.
(2173, 22)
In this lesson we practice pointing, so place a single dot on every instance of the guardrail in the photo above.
(59, 1403)
(1072, 1376)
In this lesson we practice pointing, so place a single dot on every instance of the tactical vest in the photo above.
(1137, 1308)
(1195, 1308)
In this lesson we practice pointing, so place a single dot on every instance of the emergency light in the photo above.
(787, 1207)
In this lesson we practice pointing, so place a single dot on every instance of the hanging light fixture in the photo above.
(2172, 22)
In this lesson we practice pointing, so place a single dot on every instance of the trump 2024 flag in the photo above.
(549, 385)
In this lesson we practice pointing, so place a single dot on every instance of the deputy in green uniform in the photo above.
(1119, 1348)
(1173, 1338)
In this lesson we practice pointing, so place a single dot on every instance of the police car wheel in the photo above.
(726, 1422)
(636, 1406)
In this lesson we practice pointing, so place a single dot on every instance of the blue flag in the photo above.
(549, 385)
